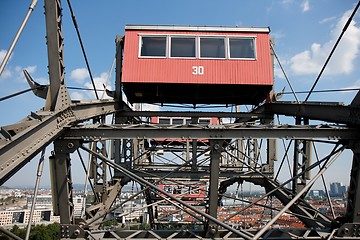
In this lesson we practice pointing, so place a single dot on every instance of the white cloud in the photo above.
(305, 5)
(79, 74)
(5, 74)
(354, 85)
(309, 61)
(99, 84)
(18, 69)
(239, 23)
(42, 80)
(31, 69)
(278, 72)
(277, 35)
(77, 96)
(90, 95)
(2, 54)
(18, 72)
(286, 2)
(326, 20)
(342, 62)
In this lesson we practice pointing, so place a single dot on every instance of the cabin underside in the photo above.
(196, 93)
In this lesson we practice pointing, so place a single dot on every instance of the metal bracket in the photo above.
(72, 231)
(349, 230)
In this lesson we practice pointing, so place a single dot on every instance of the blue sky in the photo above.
(304, 32)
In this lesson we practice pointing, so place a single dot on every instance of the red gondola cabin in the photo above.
(210, 65)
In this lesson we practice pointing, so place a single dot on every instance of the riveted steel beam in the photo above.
(230, 131)
(329, 112)
(23, 146)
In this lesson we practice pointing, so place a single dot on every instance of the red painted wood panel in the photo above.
(216, 71)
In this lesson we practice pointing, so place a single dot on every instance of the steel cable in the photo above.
(333, 50)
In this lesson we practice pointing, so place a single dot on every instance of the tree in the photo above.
(110, 223)
(55, 230)
(20, 232)
(42, 232)
(38, 232)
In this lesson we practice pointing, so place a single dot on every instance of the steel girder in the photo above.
(215, 154)
(26, 139)
(223, 234)
(225, 131)
(351, 228)
(201, 175)
(61, 184)
(302, 159)
(329, 112)
(195, 114)
(57, 97)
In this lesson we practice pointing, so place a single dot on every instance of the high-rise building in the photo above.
(337, 189)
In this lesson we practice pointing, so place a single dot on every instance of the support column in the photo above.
(215, 155)
(351, 228)
(302, 159)
(353, 209)
(194, 167)
(272, 156)
(272, 147)
(99, 171)
(57, 96)
(150, 208)
(61, 187)
(118, 97)
(60, 168)
(296, 160)
(252, 152)
(239, 150)
(123, 150)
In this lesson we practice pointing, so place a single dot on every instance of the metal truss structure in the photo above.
(147, 153)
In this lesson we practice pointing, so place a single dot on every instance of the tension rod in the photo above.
(17, 36)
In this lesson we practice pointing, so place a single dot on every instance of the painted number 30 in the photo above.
(198, 70)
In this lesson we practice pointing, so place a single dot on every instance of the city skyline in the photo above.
(302, 43)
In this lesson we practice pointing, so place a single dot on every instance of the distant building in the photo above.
(42, 201)
(43, 212)
(6, 217)
(78, 202)
(337, 189)
(317, 194)
(132, 211)
(21, 216)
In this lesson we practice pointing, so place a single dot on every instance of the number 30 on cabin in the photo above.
(198, 70)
